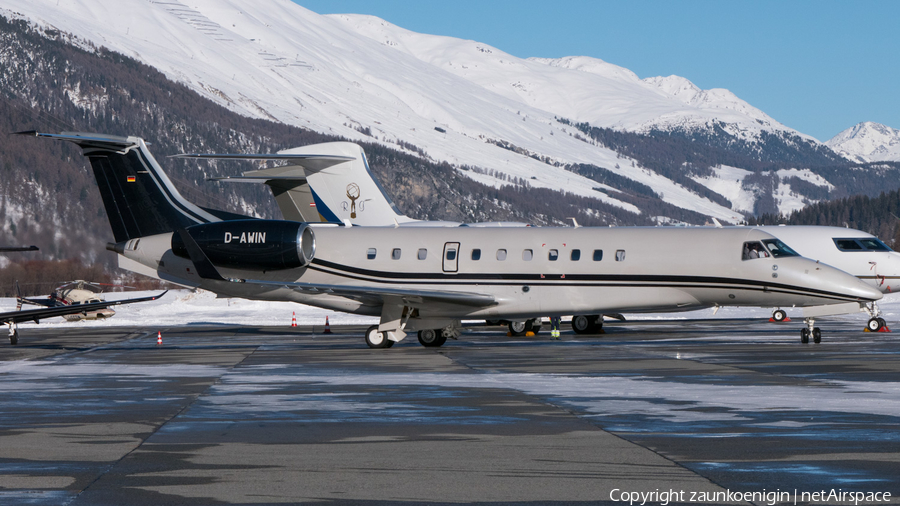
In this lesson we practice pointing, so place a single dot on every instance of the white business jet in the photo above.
(427, 279)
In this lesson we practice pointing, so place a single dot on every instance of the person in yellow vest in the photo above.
(554, 327)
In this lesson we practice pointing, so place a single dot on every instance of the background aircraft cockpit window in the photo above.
(527, 255)
(476, 254)
(848, 245)
(501, 254)
(871, 244)
(422, 254)
(860, 244)
(752, 250)
(553, 255)
(779, 249)
(598, 255)
(576, 255)
(395, 254)
(370, 253)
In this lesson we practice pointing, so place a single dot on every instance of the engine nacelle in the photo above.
(267, 245)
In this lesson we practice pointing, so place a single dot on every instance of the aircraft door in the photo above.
(451, 257)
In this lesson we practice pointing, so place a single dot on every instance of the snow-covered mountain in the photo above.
(868, 142)
(458, 101)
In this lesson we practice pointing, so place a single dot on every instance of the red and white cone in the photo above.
(327, 326)
(158, 338)
(293, 318)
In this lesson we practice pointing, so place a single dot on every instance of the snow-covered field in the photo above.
(184, 307)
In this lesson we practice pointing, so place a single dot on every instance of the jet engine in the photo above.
(252, 244)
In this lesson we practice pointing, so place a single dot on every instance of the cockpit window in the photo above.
(779, 249)
(860, 244)
(848, 245)
(873, 244)
(754, 249)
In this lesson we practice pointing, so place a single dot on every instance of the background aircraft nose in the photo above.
(857, 287)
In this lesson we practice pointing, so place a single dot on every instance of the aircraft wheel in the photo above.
(874, 324)
(441, 339)
(377, 339)
(14, 338)
(517, 328)
(583, 324)
(883, 323)
(817, 335)
(492, 322)
(779, 315)
(429, 338)
(804, 336)
(533, 325)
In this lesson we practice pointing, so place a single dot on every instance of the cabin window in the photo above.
(395, 254)
(451, 253)
(476, 254)
(860, 244)
(501, 254)
(779, 249)
(553, 255)
(527, 255)
(422, 254)
(370, 253)
(754, 249)
(620, 255)
(598, 255)
(576, 255)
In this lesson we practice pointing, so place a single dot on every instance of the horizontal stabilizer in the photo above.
(310, 162)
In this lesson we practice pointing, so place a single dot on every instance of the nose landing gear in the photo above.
(810, 331)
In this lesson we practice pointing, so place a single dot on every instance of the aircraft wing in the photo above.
(40, 314)
(375, 293)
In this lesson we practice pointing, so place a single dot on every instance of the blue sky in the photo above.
(817, 66)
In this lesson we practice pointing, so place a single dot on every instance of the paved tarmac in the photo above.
(245, 415)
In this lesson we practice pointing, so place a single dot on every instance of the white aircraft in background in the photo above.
(853, 251)
(308, 191)
(428, 279)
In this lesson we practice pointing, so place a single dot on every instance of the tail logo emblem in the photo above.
(352, 194)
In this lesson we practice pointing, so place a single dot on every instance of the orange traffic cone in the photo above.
(327, 326)
(158, 338)
(293, 318)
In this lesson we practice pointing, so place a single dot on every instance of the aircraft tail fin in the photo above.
(328, 182)
(139, 198)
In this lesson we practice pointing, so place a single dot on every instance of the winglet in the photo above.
(718, 225)
(204, 266)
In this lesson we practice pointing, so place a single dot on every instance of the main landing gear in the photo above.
(779, 315)
(523, 328)
(432, 338)
(810, 330)
(587, 324)
(376, 339)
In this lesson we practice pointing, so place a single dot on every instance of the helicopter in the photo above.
(74, 293)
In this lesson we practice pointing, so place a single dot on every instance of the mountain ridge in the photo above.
(445, 101)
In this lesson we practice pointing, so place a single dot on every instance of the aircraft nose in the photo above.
(856, 287)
